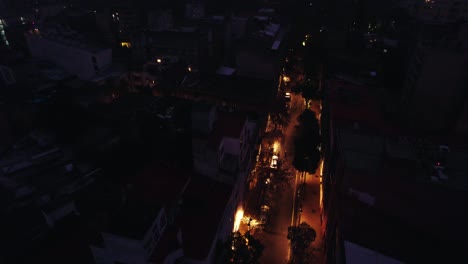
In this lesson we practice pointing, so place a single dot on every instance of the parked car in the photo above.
(274, 162)
(264, 213)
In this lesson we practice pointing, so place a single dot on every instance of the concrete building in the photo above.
(69, 50)
(188, 43)
(385, 189)
(223, 146)
(164, 215)
(38, 181)
(433, 96)
(140, 215)
(260, 52)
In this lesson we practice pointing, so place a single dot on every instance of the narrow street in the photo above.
(290, 204)
(274, 237)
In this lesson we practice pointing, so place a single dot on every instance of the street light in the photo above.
(303, 43)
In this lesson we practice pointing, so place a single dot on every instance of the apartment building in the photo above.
(69, 50)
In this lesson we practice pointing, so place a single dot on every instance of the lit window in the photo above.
(126, 44)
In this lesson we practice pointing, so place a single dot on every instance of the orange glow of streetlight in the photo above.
(238, 219)
(276, 146)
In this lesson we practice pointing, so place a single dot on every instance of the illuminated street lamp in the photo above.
(303, 43)
(158, 60)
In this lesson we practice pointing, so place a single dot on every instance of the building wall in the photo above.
(231, 145)
(126, 250)
(6, 76)
(154, 233)
(442, 11)
(204, 158)
(432, 93)
(118, 248)
(160, 20)
(83, 63)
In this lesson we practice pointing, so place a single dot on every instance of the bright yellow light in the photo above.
(158, 60)
(126, 44)
(303, 43)
(321, 190)
(238, 218)
(286, 79)
(275, 147)
(321, 168)
(189, 69)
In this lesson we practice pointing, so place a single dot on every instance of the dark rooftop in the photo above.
(205, 202)
(353, 105)
(227, 125)
(155, 187)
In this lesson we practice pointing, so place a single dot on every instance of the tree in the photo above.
(308, 120)
(279, 112)
(305, 159)
(306, 153)
(301, 237)
(280, 176)
(309, 90)
(240, 248)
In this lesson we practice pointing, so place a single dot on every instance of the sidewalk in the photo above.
(311, 207)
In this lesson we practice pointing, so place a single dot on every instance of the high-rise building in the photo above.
(69, 50)
(434, 90)
(442, 11)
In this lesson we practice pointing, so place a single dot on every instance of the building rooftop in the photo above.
(205, 202)
(357, 254)
(156, 186)
(168, 242)
(66, 36)
(227, 125)
(38, 172)
(224, 70)
(388, 200)
(245, 92)
(391, 194)
(356, 106)
(69, 243)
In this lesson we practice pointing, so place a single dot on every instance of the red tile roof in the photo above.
(205, 201)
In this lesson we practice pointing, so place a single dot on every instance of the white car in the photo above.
(274, 162)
